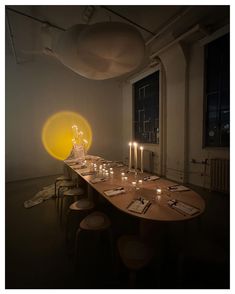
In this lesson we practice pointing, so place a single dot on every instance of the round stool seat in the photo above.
(134, 253)
(82, 204)
(95, 221)
(74, 192)
(67, 183)
(63, 178)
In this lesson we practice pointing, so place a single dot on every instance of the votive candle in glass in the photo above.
(159, 191)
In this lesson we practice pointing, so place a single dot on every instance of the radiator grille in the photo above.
(219, 175)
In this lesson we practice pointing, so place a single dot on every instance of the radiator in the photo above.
(219, 175)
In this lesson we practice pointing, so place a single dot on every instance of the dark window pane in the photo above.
(217, 113)
(146, 109)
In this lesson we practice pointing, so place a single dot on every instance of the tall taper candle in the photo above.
(130, 147)
(135, 149)
(141, 158)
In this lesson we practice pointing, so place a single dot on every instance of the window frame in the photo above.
(138, 78)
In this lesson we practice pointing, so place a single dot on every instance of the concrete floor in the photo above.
(38, 257)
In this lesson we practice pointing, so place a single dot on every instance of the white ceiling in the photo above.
(27, 36)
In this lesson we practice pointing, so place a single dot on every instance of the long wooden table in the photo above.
(159, 209)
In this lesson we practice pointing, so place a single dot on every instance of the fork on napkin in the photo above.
(178, 188)
(97, 180)
(88, 173)
(183, 208)
(115, 191)
(139, 205)
(151, 178)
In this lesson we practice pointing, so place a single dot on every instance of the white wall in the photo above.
(37, 89)
(175, 66)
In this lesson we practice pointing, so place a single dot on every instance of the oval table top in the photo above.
(159, 210)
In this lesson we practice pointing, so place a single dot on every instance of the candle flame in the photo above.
(130, 143)
(141, 148)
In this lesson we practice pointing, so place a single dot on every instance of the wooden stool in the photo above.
(135, 255)
(59, 179)
(96, 222)
(73, 192)
(80, 208)
(68, 184)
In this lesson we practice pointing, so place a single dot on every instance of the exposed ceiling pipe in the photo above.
(194, 29)
(127, 19)
(170, 23)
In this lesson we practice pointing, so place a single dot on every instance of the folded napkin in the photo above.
(97, 180)
(92, 157)
(183, 207)
(178, 188)
(115, 191)
(151, 178)
(71, 161)
(79, 166)
(88, 173)
(139, 205)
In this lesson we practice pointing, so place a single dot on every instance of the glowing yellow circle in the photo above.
(57, 133)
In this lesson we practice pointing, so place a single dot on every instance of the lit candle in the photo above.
(130, 147)
(140, 182)
(111, 172)
(141, 158)
(159, 191)
(135, 149)
(122, 174)
(125, 178)
(133, 184)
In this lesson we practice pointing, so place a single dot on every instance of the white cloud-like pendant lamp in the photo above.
(101, 51)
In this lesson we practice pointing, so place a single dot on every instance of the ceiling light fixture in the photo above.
(101, 51)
